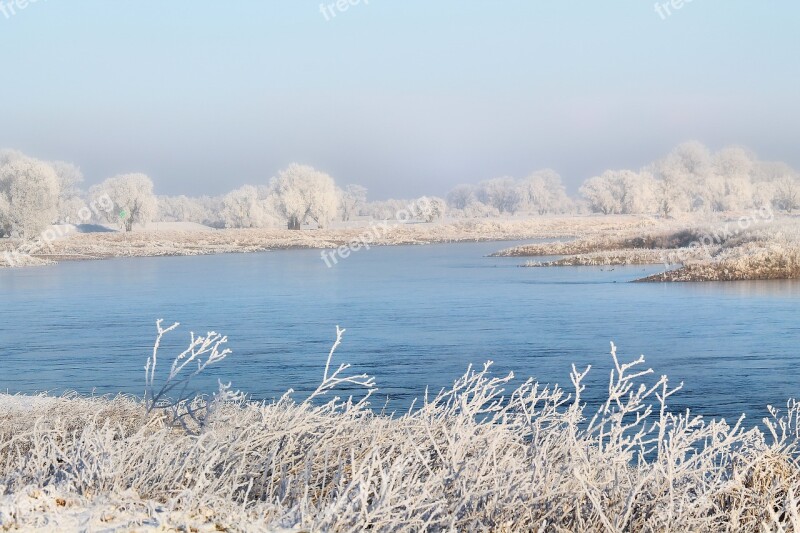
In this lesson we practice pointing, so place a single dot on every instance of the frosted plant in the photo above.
(351, 199)
(487, 453)
(69, 196)
(132, 194)
(544, 193)
(461, 196)
(428, 209)
(787, 194)
(620, 191)
(246, 208)
(29, 192)
(504, 194)
(174, 396)
(332, 380)
(303, 193)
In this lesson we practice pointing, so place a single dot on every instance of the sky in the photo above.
(406, 97)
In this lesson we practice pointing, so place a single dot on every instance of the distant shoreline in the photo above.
(174, 242)
(692, 249)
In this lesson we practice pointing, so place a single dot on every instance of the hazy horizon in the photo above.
(405, 99)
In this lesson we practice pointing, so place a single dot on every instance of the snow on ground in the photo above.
(724, 248)
(705, 248)
(170, 239)
(476, 457)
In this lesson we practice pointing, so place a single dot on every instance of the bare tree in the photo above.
(787, 194)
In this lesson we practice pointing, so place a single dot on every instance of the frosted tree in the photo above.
(544, 193)
(246, 207)
(787, 194)
(385, 209)
(178, 209)
(302, 193)
(352, 198)
(681, 178)
(504, 194)
(599, 193)
(637, 192)
(5, 215)
(28, 196)
(134, 201)
(428, 208)
(621, 191)
(480, 210)
(461, 196)
(201, 210)
(69, 197)
(730, 182)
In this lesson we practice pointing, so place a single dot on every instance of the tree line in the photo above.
(691, 178)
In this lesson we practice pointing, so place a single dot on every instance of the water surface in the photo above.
(416, 316)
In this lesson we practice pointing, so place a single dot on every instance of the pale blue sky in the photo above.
(404, 96)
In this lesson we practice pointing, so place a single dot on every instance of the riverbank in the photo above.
(470, 458)
(723, 249)
(170, 242)
(461, 460)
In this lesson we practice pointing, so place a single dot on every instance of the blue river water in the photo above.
(416, 316)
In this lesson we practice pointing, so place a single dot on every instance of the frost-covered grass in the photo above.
(631, 256)
(170, 242)
(694, 249)
(483, 455)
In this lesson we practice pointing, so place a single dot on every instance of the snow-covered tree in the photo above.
(597, 192)
(729, 182)
(480, 210)
(246, 207)
(787, 194)
(352, 198)
(177, 209)
(544, 193)
(28, 196)
(302, 193)
(385, 209)
(134, 201)
(461, 196)
(428, 208)
(69, 197)
(504, 194)
(200, 210)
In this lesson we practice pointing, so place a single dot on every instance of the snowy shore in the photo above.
(718, 248)
(178, 242)
(471, 458)
(722, 249)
